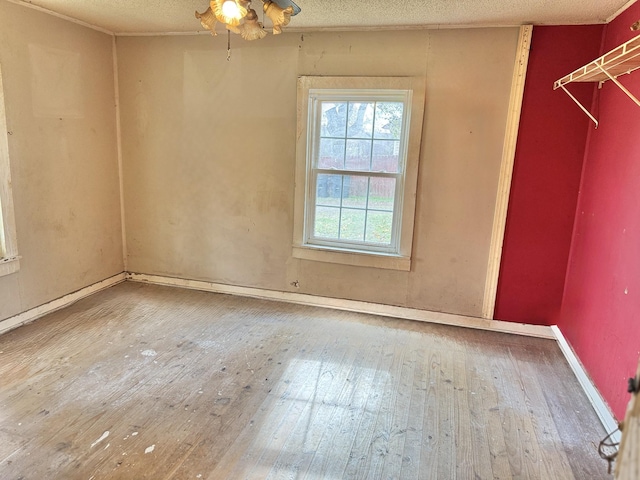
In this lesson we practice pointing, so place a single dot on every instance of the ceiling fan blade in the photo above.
(288, 3)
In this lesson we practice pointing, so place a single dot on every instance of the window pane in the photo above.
(355, 190)
(355, 167)
(382, 193)
(358, 155)
(334, 119)
(327, 222)
(385, 156)
(360, 123)
(328, 190)
(352, 224)
(379, 227)
(331, 154)
(388, 120)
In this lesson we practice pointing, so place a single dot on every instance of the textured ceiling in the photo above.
(155, 16)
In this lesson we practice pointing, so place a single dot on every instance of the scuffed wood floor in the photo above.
(147, 382)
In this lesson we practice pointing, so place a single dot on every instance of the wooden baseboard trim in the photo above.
(350, 305)
(599, 404)
(64, 301)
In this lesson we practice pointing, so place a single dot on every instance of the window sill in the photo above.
(9, 265)
(374, 260)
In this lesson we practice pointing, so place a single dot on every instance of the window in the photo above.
(9, 259)
(358, 149)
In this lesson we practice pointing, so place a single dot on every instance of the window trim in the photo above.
(355, 256)
(9, 258)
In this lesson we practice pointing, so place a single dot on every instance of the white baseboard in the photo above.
(599, 404)
(64, 301)
(351, 305)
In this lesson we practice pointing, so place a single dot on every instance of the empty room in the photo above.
(319, 240)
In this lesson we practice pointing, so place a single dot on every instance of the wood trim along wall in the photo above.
(60, 15)
(351, 306)
(597, 401)
(356, 28)
(506, 170)
(116, 87)
(64, 301)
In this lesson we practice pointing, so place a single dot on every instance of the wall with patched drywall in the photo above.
(209, 158)
(59, 100)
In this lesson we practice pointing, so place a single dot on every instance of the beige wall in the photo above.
(209, 154)
(59, 96)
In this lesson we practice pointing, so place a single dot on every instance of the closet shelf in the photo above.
(621, 60)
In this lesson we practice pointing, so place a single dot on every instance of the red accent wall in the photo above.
(546, 177)
(600, 314)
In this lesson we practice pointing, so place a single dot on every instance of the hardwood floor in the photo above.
(147, 382)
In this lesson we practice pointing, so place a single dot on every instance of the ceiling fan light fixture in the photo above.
(251, 29)
(280, 17)
(229, 12)
(237, 16)
(208, 20)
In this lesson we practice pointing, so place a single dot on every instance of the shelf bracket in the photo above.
(582, 107)
(622, 60)
(622, 87)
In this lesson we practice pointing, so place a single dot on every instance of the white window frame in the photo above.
(312, 90)
(9, 258)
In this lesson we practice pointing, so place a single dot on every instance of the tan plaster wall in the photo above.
(209, 158)
(59, 99)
